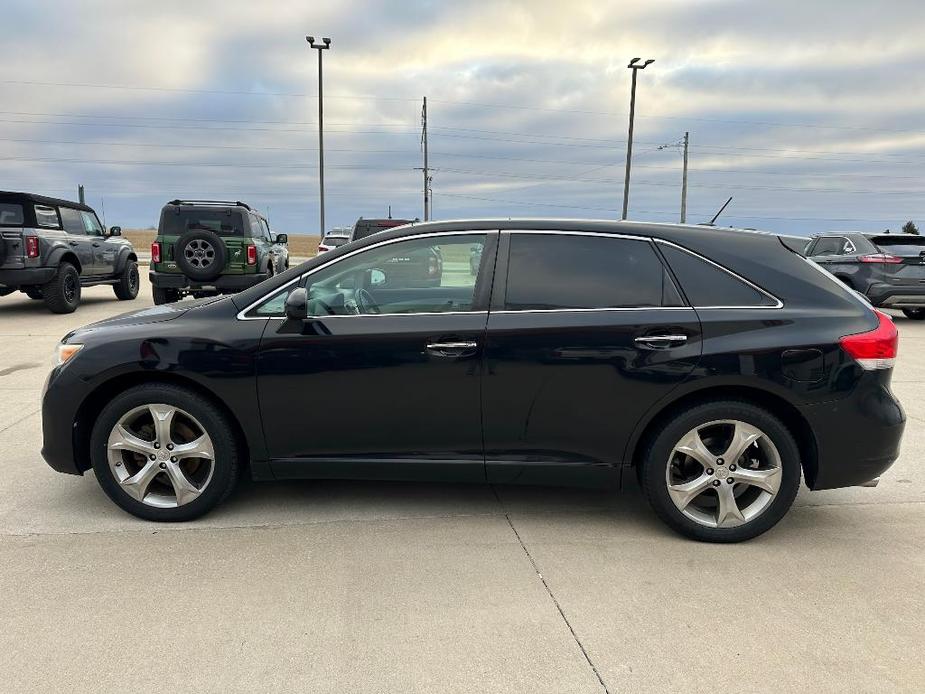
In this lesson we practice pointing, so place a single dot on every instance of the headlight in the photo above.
(65, 352)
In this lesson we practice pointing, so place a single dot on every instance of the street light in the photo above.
(634, 66)
(324, 45)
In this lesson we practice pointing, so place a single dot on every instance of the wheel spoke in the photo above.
(683, 494)
(185, 490)
(121, 439)
(692, 445)
(163, 421)
(137, 484)
(728, 513)
(198, 448)
(768, 480)
(743, 436)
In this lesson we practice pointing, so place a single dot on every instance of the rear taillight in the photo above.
(322, 248)
(252, 255)
(880, 258)
(32, 246)
(155, 252)
(875, 349)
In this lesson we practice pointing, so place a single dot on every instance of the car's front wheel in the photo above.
(915, 313)
(164, 453)
(722, 471)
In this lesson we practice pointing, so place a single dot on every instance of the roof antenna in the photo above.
(713, 221)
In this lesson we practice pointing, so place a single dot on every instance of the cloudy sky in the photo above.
(811, 113)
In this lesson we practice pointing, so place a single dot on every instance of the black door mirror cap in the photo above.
(282, 238)
(115, 231)
(297, 304)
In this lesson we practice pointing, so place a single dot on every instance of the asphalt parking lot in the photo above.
(392, 587)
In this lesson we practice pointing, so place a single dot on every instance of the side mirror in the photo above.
(297, 304)
(282, 238)
(115, 231)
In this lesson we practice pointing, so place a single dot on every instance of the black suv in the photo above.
(717, 366)
(889, 269)
(208, 247)
(50, 248)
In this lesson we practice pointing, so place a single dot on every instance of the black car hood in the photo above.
(154, 314)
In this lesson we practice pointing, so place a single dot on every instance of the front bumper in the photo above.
(59, 412)
(173, 280)
(26, 277)
(897, 295)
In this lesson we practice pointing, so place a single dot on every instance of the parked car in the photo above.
(209, 247)
(717, 366)
(366, 227)
(333, 239)
(422, 268)
(889, 269)
(51, 248)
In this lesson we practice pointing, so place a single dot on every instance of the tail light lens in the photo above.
(32, 246)
(322, 248)
(155, 252)
(252, 255)
(880, 258)
(875, 349)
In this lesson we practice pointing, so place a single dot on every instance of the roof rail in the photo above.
(220, 203)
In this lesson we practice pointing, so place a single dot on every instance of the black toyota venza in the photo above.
(717, 366)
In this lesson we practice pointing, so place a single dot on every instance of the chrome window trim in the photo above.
(241, 315)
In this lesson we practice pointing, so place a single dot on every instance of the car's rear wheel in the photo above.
(722, 471)
(164, 453)
(126, 288)
(62, 292)
(164, 296)
(915, 313)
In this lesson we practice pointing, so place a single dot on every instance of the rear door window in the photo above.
(710, 286)
(47, 216)
(578, 271)
(73, 221)
(11, 215)
(830, 245)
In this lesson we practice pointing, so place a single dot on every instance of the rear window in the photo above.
(223, 222)
(334, 241)
(900, 245)
(11, 214)
(369, 227)
(708, 285)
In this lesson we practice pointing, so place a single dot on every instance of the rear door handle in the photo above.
(660, 340)
(452, 349)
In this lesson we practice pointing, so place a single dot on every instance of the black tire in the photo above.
(198, 264)
(914, 313)
(62, 292)
(34, 293)
(164, 296)
(656, 460)
(126, 288)
(226, 466)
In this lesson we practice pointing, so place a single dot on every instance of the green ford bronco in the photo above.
(208, 247)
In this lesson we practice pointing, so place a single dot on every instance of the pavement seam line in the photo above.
(551, 595)
(22, 419)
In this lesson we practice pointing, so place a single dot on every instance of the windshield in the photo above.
(10, 214)
(901, 246)
(334, 240)
(223, 222)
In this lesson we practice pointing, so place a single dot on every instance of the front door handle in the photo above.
(660, 340)
(452, 349)
(73, 243)
(96, 245)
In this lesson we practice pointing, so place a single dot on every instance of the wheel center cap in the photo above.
(163, 454)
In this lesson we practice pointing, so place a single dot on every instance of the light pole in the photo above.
(634, 66)
(324, 45)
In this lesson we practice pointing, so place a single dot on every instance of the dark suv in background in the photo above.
(50, 248)
(207, 247)
(889, 269)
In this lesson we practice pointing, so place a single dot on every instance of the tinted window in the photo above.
(176, 221)
(334, 241)
(11, 214)
(46, 216)
(832, 245)
(568, 271)
(708, 285)
(368, 227)
(91, 224)
(72, 221)
(901, 245)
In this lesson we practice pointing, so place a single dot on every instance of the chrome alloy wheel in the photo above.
(160, 455)
(199, 253)
(724, 473)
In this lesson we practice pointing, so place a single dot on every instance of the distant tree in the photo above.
(910, 228)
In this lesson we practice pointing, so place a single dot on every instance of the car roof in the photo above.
(21, 198)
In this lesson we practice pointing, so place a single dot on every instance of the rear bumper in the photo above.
(25, 277)
(897, 296)
(171, 280)
(857, 438)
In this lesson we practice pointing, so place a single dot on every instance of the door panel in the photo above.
(77, 239)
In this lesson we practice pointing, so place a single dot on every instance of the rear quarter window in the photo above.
(46, 216)
(11, 214)
(708, 285)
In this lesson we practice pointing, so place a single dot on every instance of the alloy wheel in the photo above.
(199, 253)
(724, 473)
(161, 455)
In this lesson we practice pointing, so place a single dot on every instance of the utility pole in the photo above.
(684, 180)
(629, 143)
(80, 194)
(324, 45)
(426, 172)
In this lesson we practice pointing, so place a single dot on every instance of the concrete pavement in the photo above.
(389, 587)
